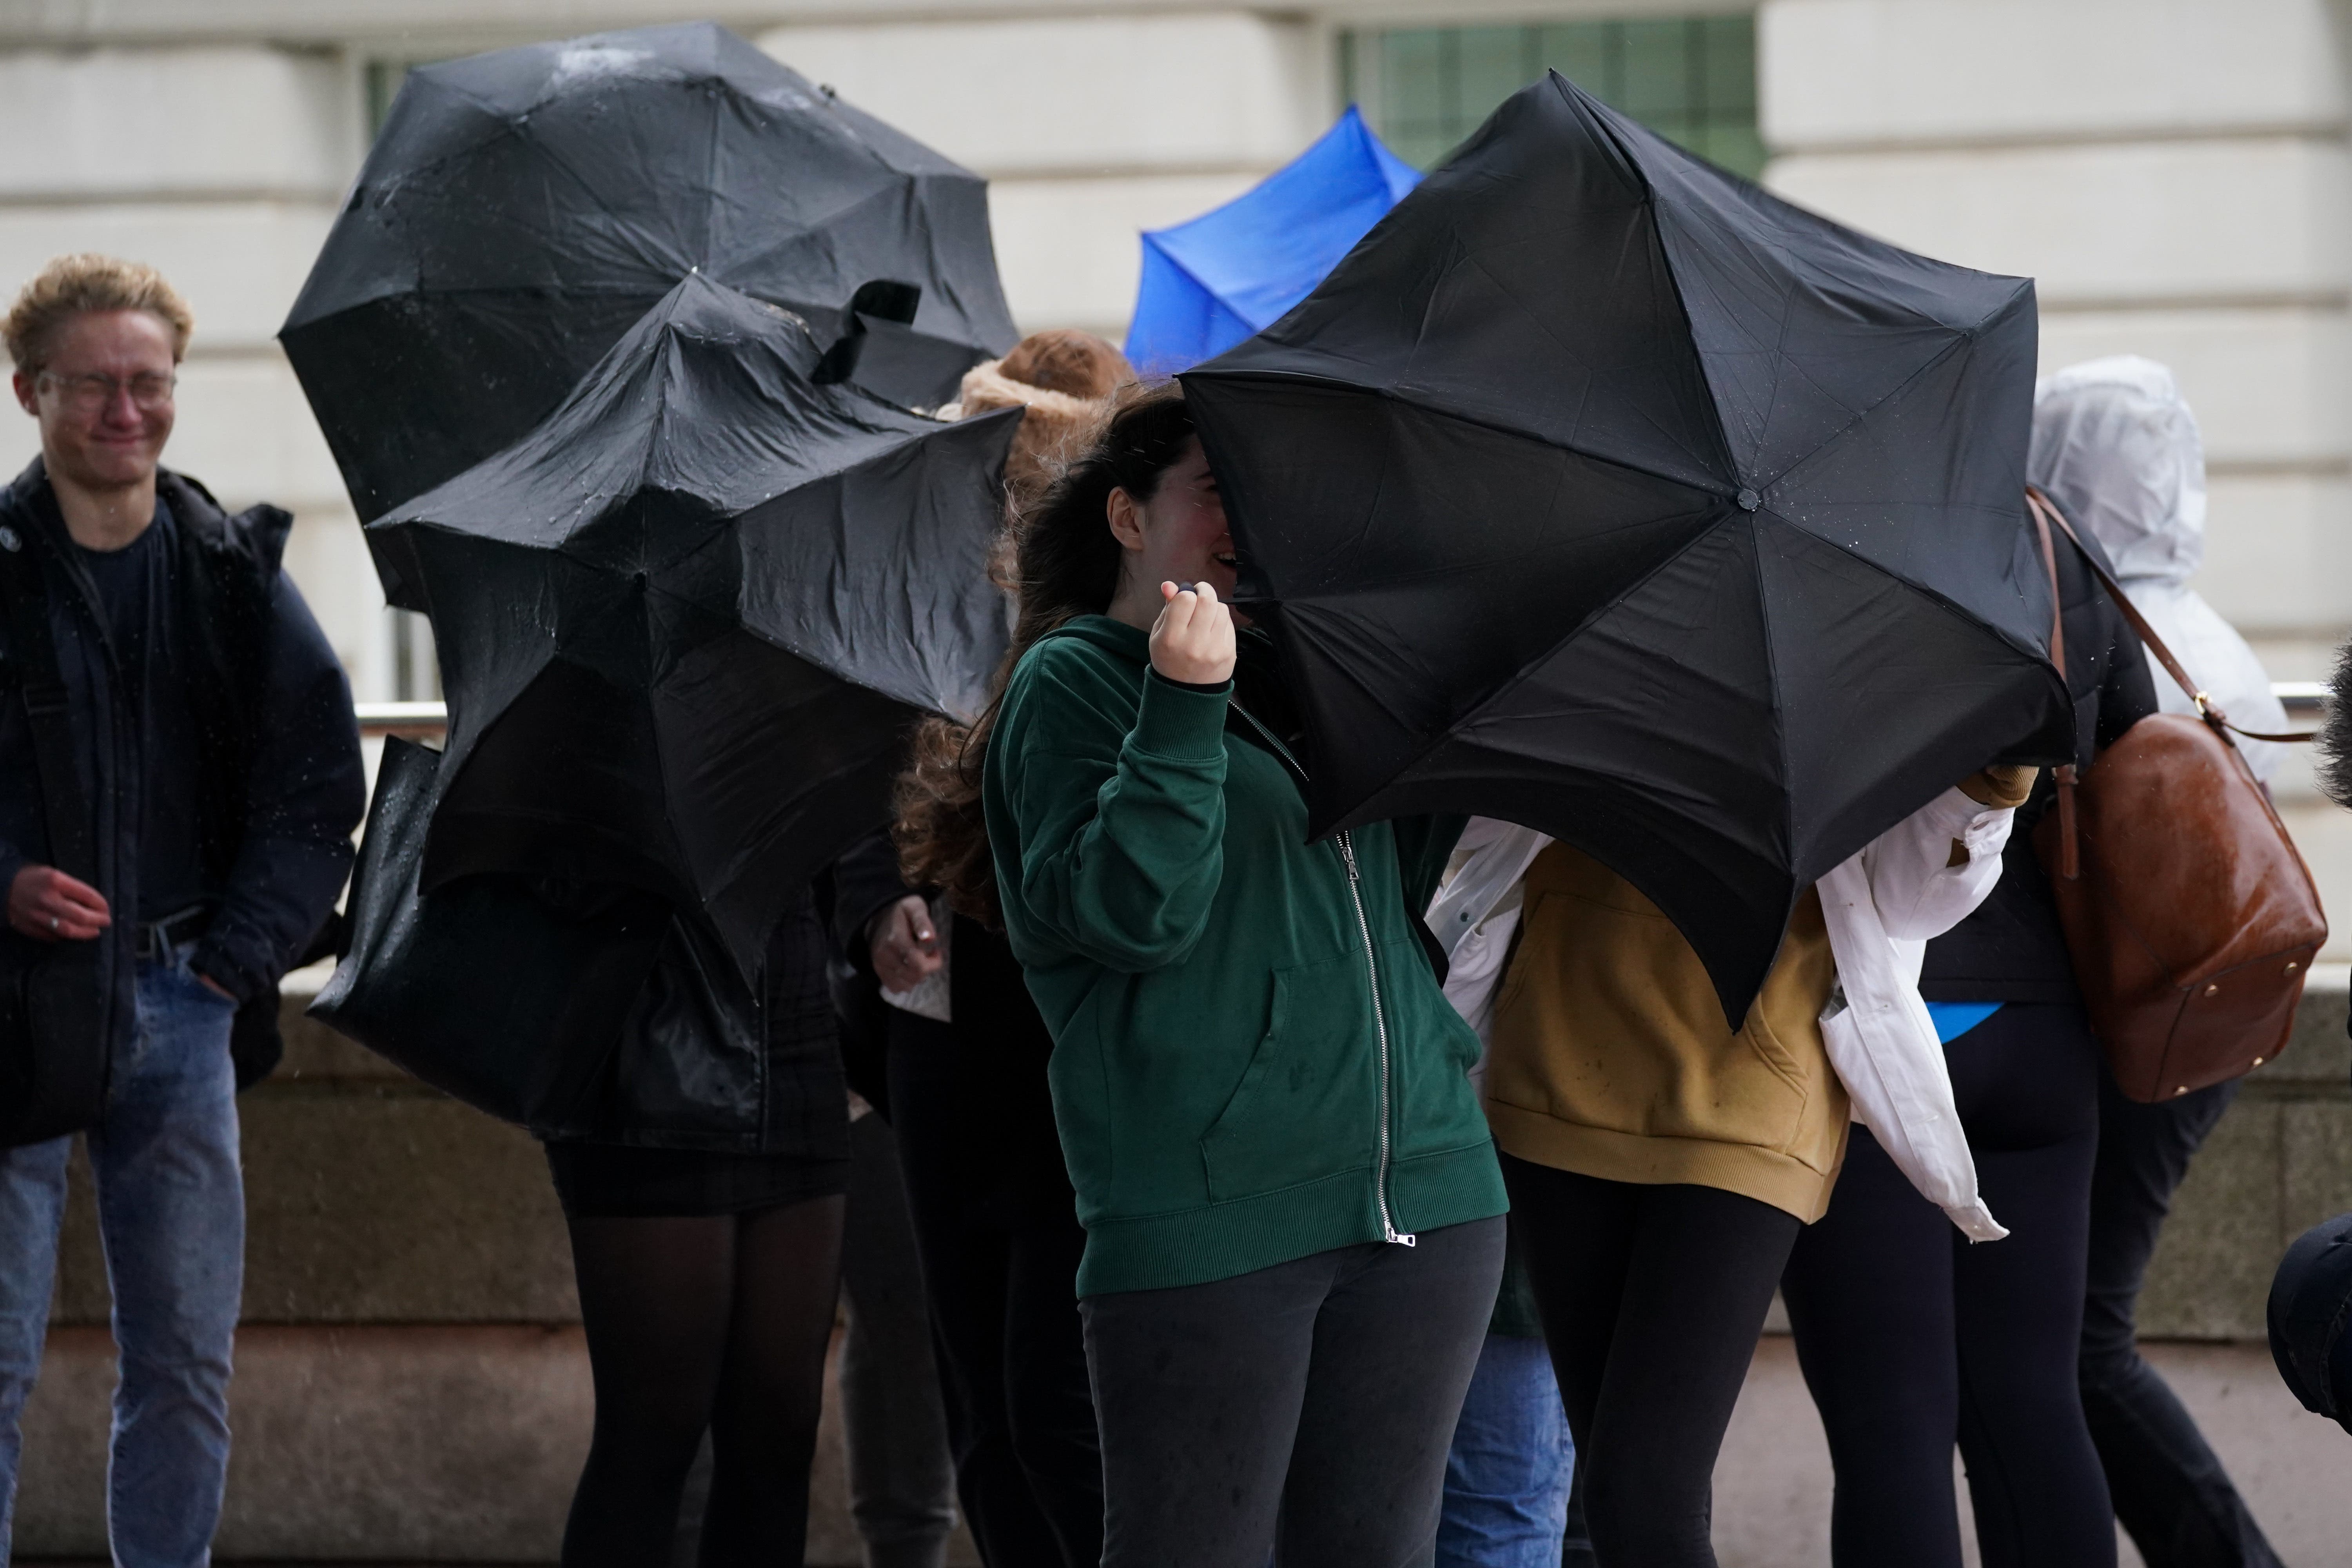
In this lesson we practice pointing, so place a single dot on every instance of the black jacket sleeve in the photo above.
(865, 882)
(306, 793)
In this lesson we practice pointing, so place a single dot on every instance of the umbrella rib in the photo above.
(1199, 283)
(1674, 279)
(1780, 365)
(1788, 805)
(1961, 335)
(557, 160)
(1647, 417)
(710, 183)
(1723, 492)
(426, 76)
(1526, 671)
(1781, 337)
(1961, 612)
(1832, 440)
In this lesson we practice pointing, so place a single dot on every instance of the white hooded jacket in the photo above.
(1880, 906)
(2116, 447)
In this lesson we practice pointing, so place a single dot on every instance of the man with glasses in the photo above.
(174, 724)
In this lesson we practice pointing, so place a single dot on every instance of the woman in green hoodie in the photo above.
(1291, 1201)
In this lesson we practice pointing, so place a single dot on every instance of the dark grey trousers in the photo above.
(2169, 1488)
(1305, 1408)
(901, 1477)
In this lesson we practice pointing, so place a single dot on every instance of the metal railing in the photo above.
(2303, 699)
(2306, 699)
(410, 718)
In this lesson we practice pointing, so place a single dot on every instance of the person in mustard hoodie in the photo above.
(1662, 1164)
(1293, 1213)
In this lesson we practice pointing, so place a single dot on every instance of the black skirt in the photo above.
(803, 1130)
(616, 1181)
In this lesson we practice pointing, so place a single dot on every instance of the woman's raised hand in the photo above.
(1192, 640)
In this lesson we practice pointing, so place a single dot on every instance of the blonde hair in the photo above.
(75, 285)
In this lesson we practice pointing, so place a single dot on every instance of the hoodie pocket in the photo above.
(1308, 1106)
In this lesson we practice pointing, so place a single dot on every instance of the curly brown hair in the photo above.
(2335, 734)
(1067, 564)
(71, 286)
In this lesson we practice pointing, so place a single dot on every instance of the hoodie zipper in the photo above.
(1389, 1231)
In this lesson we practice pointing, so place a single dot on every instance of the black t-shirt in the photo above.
(138, 602)
(128, 582)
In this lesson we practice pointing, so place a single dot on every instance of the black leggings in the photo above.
(1912, 1338)
(716, 1323)
(1652, 1297)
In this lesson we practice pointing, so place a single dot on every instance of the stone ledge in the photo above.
(377, 1200)
(377, 1445)
(371, 1202)
(461, 1445)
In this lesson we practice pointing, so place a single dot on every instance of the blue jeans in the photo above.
(1506, 1478)
(170, 1209)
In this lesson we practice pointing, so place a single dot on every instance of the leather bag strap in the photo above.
(2070, 857)
(2045, 511)
(46, 713)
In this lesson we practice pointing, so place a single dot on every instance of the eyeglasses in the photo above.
(150, 390)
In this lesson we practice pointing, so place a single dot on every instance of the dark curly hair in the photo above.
(1067, 564)
(2335, 734)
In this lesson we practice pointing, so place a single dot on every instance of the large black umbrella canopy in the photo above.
(1600, 491)
(684, 624)
(521, 209)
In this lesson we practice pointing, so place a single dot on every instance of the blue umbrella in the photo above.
(1211, 282)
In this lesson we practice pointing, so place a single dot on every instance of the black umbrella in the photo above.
(521, 209)
(1600, 491)
(684, 624)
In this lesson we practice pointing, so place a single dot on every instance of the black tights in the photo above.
(716, 1324)
(1652, 1297)
(1912, 1338)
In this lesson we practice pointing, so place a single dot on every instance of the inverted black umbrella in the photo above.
(521, 209)
(514, 1001)
(684, 624)
(1600, 491)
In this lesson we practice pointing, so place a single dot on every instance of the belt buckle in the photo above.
(157, 938)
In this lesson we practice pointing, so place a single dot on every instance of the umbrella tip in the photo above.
(1749, 501)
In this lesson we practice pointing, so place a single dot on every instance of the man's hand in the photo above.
(47, 905)
(906, 949)
(217, 989)
(1193, 642)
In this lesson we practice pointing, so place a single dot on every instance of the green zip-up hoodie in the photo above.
(1222, 1074)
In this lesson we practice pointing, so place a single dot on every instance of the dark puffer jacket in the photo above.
(282, 786)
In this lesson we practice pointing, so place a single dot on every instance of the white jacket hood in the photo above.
(2116, 447)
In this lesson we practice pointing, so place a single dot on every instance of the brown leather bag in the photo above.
(2191, 919)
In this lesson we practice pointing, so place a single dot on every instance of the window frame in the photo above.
(1360, 72)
